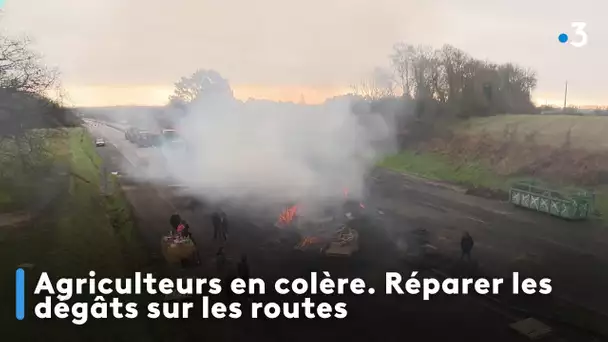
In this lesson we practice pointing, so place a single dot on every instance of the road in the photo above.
(398, 209)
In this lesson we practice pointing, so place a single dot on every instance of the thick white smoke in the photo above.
(271, 153)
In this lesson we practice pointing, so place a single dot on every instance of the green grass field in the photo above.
(438, 167)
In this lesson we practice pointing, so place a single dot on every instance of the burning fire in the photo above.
(346, 197)
(288, 215)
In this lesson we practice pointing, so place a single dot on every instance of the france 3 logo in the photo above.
(579, 31)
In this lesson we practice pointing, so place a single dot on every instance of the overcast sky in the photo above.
(131, 51)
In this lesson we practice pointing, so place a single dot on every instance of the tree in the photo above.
(25, 86)
(21, 69)
(401, 62)
(201, 84)
(378, 85)
(454, 61)
(448, 80)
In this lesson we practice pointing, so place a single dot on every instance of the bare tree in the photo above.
(423, 69)
(22, 69)
(459, 84)
(378, 85)
(25, 86)
(454, 61)
(401, 62)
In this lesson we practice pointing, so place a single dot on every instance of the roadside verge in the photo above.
(81, 230)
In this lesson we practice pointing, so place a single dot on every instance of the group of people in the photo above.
(219, 221)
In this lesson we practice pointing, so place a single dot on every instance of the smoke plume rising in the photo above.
(269, 153)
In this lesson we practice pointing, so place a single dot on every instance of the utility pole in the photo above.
(565, 96)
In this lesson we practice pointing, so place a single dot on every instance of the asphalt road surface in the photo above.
(408, 224)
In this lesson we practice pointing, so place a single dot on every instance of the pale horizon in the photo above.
(102, 96)
(113, 52)
(99, 96)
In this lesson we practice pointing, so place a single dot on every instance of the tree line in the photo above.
(431, 83)
(449, 82)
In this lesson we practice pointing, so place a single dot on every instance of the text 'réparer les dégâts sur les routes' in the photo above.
(116, 297)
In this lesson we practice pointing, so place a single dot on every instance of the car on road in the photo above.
(100, 142)
(144, 139)
(130, 133)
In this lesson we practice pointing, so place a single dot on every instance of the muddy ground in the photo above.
(408, 224)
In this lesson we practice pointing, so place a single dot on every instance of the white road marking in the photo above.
(476, 220)
(123, 154)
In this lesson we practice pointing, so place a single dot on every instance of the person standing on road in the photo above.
(224, 224)
(466, 245)
(220, 225)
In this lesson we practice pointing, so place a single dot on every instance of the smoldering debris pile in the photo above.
(329, 233)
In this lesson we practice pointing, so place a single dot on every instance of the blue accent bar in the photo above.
(20, 294)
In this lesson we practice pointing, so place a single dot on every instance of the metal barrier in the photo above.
(575, 206)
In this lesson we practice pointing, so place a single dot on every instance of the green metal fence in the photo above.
(575, 206)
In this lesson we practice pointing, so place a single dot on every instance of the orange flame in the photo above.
(288, 215)
(346, 197)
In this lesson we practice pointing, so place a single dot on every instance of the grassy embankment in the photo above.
(585, 135)
(80, 229)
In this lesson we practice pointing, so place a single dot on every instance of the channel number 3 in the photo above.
(580, 31)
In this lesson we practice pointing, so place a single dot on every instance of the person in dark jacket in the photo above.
(224, 224)
(220, 225)
(182, 228)
(174, 221)
(466, 245)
